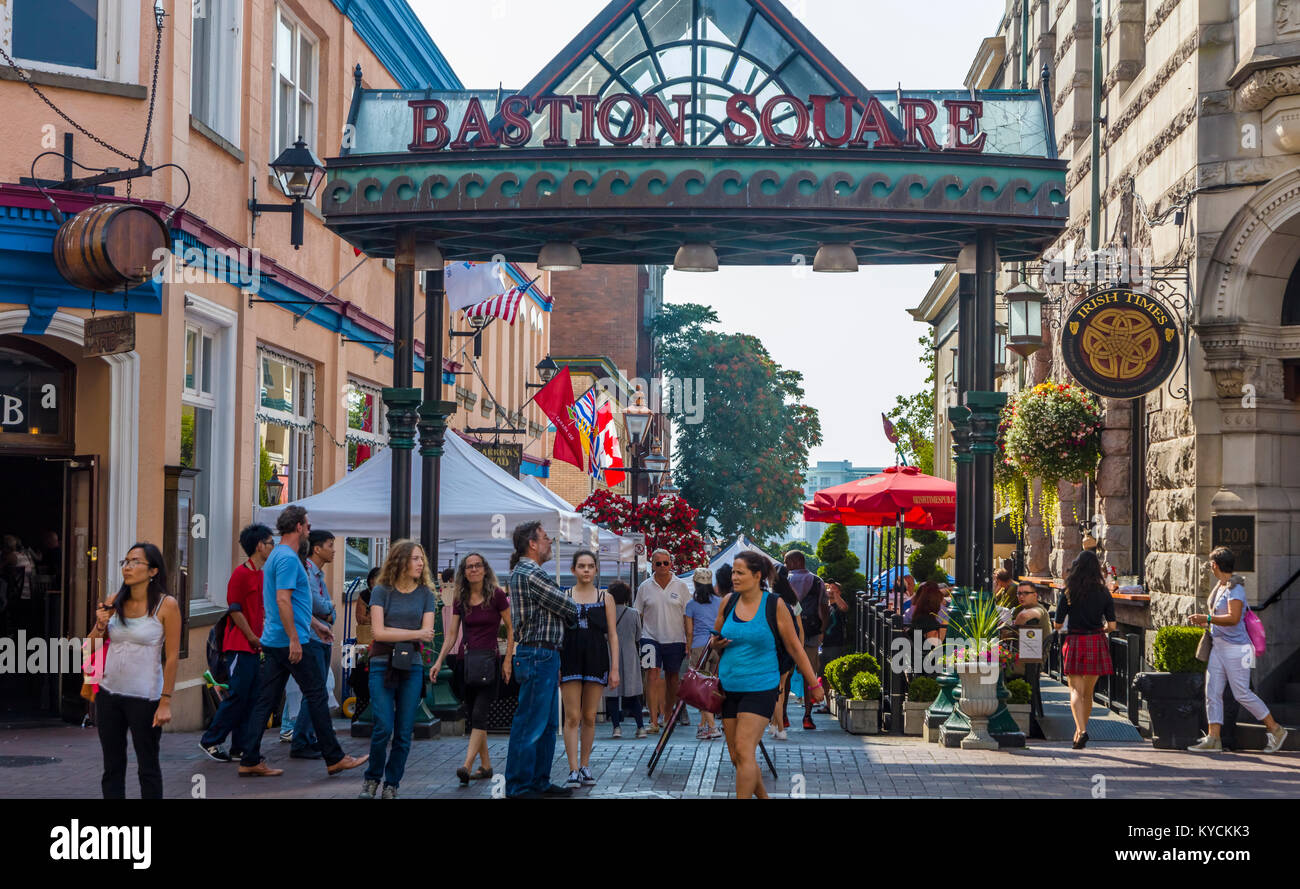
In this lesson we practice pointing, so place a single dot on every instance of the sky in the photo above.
(848, 334)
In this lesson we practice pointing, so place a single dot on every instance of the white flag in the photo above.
(470, 283)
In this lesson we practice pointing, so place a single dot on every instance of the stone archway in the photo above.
(1245, 447)
(123, 458)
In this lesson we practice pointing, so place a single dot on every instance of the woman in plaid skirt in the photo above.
(1089, 610)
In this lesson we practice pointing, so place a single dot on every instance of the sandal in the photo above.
(481, 774)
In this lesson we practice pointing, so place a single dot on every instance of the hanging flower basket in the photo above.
(1053, 433)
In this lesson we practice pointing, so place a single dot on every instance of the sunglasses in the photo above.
(662, 564)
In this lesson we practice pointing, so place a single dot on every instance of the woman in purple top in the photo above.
(480, 607)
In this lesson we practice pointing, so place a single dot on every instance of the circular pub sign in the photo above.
(1120, 343)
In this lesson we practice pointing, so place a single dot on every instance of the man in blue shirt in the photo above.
(287, 598)
(320, 645)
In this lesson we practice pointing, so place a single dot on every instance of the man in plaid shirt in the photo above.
(539, 611)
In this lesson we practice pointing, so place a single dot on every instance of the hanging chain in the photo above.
(153, 95)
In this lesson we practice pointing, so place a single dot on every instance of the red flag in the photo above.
(556, 401)
(889, 430)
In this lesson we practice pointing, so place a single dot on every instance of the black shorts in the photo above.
(761, 703)
(666, 656)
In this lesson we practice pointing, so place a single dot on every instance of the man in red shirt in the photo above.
(241, 648)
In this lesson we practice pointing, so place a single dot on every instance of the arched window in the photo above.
(37, 387)
(1291, 302)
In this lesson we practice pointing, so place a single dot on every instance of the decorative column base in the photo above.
(433, 426)
(403, 409)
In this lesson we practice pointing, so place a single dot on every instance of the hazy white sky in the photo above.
(850, 335)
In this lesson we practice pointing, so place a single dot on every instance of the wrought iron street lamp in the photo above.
(1025, 314)
(999, 349)
(299, 173)
(274, 487)
(546, 370)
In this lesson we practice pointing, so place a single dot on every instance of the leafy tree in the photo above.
(913, 417)
(742, 467)
(810, 556)
(265, 469)
(924, 562)
(839, 563)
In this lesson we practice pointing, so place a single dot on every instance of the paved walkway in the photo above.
(827, 763)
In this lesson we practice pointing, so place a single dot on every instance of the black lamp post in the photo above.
(637, 418)
(274, 487)
(299, 173)
(546, 370)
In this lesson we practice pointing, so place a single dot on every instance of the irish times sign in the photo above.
(1120, 343)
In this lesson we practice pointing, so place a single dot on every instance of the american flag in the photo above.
(505, 306)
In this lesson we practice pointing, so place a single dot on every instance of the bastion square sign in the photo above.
(725, 122)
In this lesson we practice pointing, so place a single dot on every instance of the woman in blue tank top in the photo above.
(748, 670)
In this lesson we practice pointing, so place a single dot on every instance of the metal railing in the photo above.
(1115, 691)
(876, 628)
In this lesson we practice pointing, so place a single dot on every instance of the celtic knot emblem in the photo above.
(1120, 343)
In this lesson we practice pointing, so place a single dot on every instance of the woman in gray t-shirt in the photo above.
(402, 608)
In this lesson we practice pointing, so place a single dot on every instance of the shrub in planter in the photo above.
(1175, 695)
(921, 691)
(841, 671)
(863, 710)
(1018, 703)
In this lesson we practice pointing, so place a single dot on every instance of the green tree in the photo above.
(810, 556)
(924, 562)
(742, 467)
(265, 469)
(839, 563)
(913, 417)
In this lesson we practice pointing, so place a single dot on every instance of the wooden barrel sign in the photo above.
(109, 247)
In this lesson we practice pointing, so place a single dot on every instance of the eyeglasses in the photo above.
(126, 562)
(662, 564)
(474, 567)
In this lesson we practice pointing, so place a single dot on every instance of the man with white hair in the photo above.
(662, 599)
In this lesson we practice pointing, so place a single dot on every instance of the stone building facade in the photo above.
(1200, 144)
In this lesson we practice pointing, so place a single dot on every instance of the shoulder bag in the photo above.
(699, 689)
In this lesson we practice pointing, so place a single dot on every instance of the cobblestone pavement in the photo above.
(826, 763)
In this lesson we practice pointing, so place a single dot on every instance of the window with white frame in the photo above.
(285, 416)
(367, 427)
(198, 409)
(294, 84)
(217, 65)
(88, 38)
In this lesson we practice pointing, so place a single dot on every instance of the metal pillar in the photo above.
(433, 417)
(402, 400)
(959, 417)
(985, 405)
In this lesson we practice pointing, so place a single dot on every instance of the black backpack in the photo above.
(216, 641)
(811, 605)
(784, 662)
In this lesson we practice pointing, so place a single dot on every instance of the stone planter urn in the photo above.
(914, 717)
(862, 717)
(979, 701)
(835, 703)
(1020, 713)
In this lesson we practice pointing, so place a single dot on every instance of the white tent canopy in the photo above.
(478, 501)
(611, 546)
(727, 556)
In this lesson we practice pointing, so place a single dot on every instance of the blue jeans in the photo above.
(394, 712)
(304, 736)
(536, 720)
(233, 711)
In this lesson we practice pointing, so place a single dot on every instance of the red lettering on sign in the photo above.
(736, 115)
(587, 110)
(918, 114)
(555, 104)
(767, 121)
(963, 117)
(474, 121)
(607, 109)
(820, 132)
(515, 120)
(874, 120)
(659, 116)
(437, 123)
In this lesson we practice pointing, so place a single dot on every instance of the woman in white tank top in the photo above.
(141, 623)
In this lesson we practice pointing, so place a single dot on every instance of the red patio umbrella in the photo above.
(904, 489)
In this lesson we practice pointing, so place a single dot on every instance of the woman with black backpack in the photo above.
(752, 660)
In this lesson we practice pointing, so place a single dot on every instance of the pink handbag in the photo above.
(701, 690)
(1255, 627)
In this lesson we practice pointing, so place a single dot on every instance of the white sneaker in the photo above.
(1208, 744)
(641, 732)
(574, 778)
(779, 735)
(617, 732)
(1276, 740)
